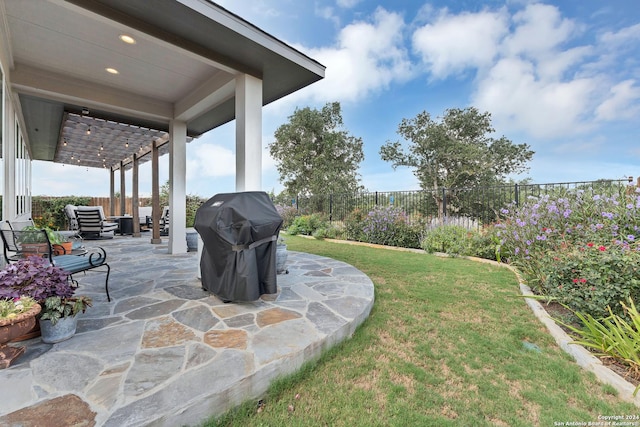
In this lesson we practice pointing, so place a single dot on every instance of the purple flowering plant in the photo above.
(34, 277)
(579, 247)
(388, 225)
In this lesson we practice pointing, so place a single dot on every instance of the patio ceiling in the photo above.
(182, 66)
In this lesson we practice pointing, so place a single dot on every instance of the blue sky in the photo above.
(561, 76)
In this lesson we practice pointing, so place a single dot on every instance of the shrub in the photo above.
(591, 278)
(450, 239)
(307, 224)
(288, 214)
(485, 244)
(552, 240)
(390, 226)
(353, 225)
(329, 232)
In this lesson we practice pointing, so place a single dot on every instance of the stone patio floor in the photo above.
(164, 352)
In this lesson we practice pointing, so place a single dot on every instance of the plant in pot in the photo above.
(59, 243)
(34, 243)
(36, 277)
(58, 321)
(17, 316)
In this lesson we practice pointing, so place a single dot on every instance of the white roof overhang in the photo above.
(182, 66)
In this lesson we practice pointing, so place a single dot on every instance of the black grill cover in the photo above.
(239, 232)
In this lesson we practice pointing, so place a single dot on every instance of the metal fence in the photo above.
(471, 207)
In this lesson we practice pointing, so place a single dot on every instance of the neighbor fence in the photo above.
(471, 207)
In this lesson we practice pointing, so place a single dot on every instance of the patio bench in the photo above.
(24, 243)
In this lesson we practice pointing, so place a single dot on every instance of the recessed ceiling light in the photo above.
(127, 39)
(112, 70)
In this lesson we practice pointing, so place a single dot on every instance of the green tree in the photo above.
(456, 151)
(315, 155)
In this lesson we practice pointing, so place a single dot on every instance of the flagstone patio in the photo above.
(164, 352)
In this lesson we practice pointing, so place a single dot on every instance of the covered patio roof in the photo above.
(126, 69)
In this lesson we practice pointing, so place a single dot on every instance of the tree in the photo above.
(455, 152)
(315, 155)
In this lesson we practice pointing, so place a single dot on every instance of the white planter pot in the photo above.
(64, 329)
(281, 259)
(192, 240)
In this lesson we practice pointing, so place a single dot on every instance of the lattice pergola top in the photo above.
(98, 143)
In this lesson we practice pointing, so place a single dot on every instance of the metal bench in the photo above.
(24, 243)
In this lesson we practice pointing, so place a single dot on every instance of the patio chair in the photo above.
(70, 213)
(164, 222)
(92, 224)
(25, 243)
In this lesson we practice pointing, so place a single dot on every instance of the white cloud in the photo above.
(367, 58)
(347, 4)
(456, 42)
(540, 29)
(622, 102)
(623, 36)
(517, 99)
(211, 160)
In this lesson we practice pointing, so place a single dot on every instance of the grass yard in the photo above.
(449, 342)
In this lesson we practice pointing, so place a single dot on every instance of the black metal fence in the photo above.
(471, 207)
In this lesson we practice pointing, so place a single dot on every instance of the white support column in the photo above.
(177, 187)
(248, 133)
(9, 157)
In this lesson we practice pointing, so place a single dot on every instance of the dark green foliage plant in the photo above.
(449, 239)
(307, 224)
(615, 336)
(56, 308)
(592, 279)
(353, 225)
(486, 244)
(49, 211)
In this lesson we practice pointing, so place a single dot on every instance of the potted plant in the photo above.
(58, 321)
(59, 243)
(17, 316)
(32, 241)
(37, 278)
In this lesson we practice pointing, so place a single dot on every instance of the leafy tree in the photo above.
(315, 155)
(456, 151)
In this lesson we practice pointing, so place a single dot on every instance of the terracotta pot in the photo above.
(29, 249)
(62, 248)
(12, 328)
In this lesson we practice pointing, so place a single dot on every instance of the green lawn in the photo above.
(443, 346)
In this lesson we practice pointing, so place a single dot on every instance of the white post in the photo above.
(9, 156)
(248, 133)
(177, 187)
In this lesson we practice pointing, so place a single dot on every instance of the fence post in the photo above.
(376, 198)
(517, 190)
(330, 207)
(297, 200)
